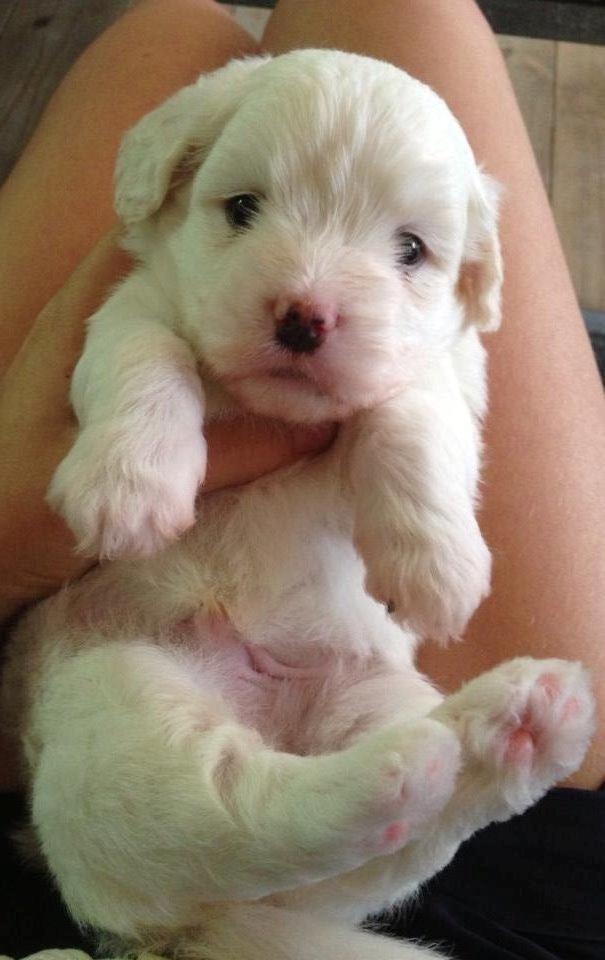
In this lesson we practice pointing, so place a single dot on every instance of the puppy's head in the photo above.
(329, 229)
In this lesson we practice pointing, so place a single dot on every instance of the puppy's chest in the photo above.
(272, 559)
(279, 557)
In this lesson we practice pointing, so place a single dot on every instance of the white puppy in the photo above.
(230, 751)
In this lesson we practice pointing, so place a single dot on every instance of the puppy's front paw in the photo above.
(433, 584)
(122, 500)
(524, 726)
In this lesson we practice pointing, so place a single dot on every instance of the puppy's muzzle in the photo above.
(302, 328)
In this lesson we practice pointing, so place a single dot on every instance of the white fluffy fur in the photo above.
(230, 751)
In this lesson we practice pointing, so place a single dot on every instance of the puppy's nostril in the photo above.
(300, 332)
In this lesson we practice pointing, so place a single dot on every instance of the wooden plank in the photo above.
(267, 4)
(39, 41)
(252, 19)
(6, 12)
(578, 194)
(531, 66)
(547, 19)
(582, 22)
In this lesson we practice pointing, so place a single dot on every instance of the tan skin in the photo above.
(543, 512)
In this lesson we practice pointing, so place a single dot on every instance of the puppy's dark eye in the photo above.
(241, 210)
(411, 250)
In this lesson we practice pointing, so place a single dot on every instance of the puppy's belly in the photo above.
(264, 692)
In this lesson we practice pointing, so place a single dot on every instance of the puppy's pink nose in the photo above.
(303, 327)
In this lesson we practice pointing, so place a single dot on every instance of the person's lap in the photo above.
(543, 509)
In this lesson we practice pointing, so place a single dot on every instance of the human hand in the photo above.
(37, 428)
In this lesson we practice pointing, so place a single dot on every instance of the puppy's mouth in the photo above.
(288, 373)
(294, 390)
(282, 388)
(294, 378)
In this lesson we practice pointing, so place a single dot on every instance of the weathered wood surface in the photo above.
(580, 22)
(578, 195)
(39, 40)
(252, 19)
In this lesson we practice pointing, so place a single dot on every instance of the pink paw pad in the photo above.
(395, 835)
(520, 746)
(571, 708)
(435, 767)
(550, 683)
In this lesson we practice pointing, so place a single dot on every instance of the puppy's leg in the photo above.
(129, 483)
(150, 798)
(524, 727)
(261, 932)
(413, 464)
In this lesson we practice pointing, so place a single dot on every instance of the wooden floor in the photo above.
(560, 86)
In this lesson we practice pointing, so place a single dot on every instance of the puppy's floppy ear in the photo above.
(184, 126)
(480, 280)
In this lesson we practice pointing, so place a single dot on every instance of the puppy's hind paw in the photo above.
(526, 725)
(409, 772)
